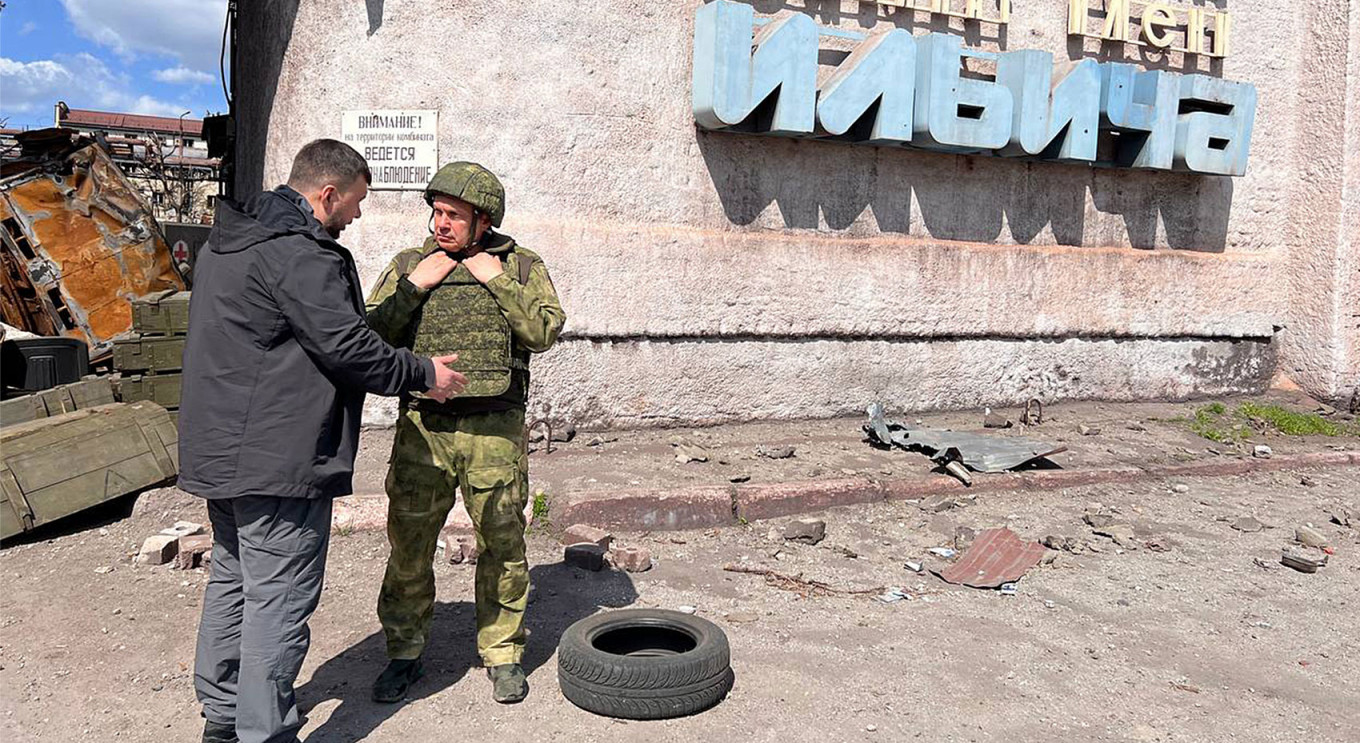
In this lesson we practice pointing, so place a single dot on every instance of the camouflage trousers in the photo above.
(483, 456)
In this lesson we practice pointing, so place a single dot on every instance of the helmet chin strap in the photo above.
(472, 231)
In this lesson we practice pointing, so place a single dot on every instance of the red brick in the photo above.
(191, 550)
(631, 559)
(583, 534)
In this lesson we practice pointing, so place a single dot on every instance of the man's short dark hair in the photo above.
(323, 162)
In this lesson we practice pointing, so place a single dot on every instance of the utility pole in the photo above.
(183, 182)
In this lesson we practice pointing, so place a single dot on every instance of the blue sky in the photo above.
(140, 56)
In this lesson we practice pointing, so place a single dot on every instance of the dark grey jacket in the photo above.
(279, 357)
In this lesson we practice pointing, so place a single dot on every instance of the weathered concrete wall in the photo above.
(716, 276)
(1321, 345)
(1348, 299)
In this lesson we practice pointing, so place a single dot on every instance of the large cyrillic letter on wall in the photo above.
(731, 81)
(1140, 107)
(880, 71)
(1213, 133)
(1052, 121)
(953, 112)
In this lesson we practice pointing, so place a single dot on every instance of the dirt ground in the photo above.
(1129, 434)
(1199, 643)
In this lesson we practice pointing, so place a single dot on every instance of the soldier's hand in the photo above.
(447, 382)
(484, 266)
(432, 269)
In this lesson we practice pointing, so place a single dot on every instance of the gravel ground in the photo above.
(1196, 643)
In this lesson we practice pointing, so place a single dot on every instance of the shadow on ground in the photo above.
(559, 596)
(94, 517)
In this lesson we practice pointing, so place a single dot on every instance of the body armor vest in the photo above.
(460, 316)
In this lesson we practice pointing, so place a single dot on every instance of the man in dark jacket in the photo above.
(276, 366)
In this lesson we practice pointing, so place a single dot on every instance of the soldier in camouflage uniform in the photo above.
(474, 292)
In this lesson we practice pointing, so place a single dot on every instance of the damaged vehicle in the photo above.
(79, 242)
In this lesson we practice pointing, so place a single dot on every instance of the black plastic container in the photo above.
(35, 364)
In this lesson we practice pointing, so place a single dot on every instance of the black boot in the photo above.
(396, 679)
(508, 684)
(219, 732)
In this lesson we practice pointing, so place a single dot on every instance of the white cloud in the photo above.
(183, 76)
(188, 30)
(28, 28)
(82, 80)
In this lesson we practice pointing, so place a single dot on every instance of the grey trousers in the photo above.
(268, 559)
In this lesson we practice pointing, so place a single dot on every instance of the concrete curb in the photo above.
(703, 507)
(366, 512)
(710, 506)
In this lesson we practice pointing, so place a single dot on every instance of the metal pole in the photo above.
(183, 184)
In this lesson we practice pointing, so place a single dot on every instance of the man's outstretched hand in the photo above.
(447, 382)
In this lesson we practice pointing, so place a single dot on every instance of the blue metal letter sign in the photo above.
(880, 71)
(1054, 121)
(903, 90)
(954, 113)
(730, 81)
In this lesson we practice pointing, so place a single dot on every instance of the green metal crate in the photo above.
(165, 313)
(54, 467)
(162, 389)
(154, 353)
(87, 393)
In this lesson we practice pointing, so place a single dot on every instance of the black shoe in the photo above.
(219, 732)
(396, 679)
(508, 684)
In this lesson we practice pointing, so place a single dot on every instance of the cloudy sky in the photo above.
(142, 56)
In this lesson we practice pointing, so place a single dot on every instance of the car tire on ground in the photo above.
(644, 664)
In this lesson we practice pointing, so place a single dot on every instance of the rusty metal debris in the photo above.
(978, 452)
(998, 557)
(548, 439)
(79, 242)
(1034, 412)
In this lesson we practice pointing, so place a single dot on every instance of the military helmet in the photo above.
(472, 183)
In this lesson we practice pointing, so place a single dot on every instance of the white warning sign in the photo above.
(401, 147)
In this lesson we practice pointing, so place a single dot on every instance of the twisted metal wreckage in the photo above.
(79, 242)
(958, 451)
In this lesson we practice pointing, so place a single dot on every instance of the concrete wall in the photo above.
(1348, 300)
(1321, 345)
(715, 276)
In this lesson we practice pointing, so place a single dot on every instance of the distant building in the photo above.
(167, 158)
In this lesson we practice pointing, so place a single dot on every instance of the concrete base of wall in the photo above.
(629, 384)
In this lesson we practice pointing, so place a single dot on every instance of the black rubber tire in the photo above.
(644, 664)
